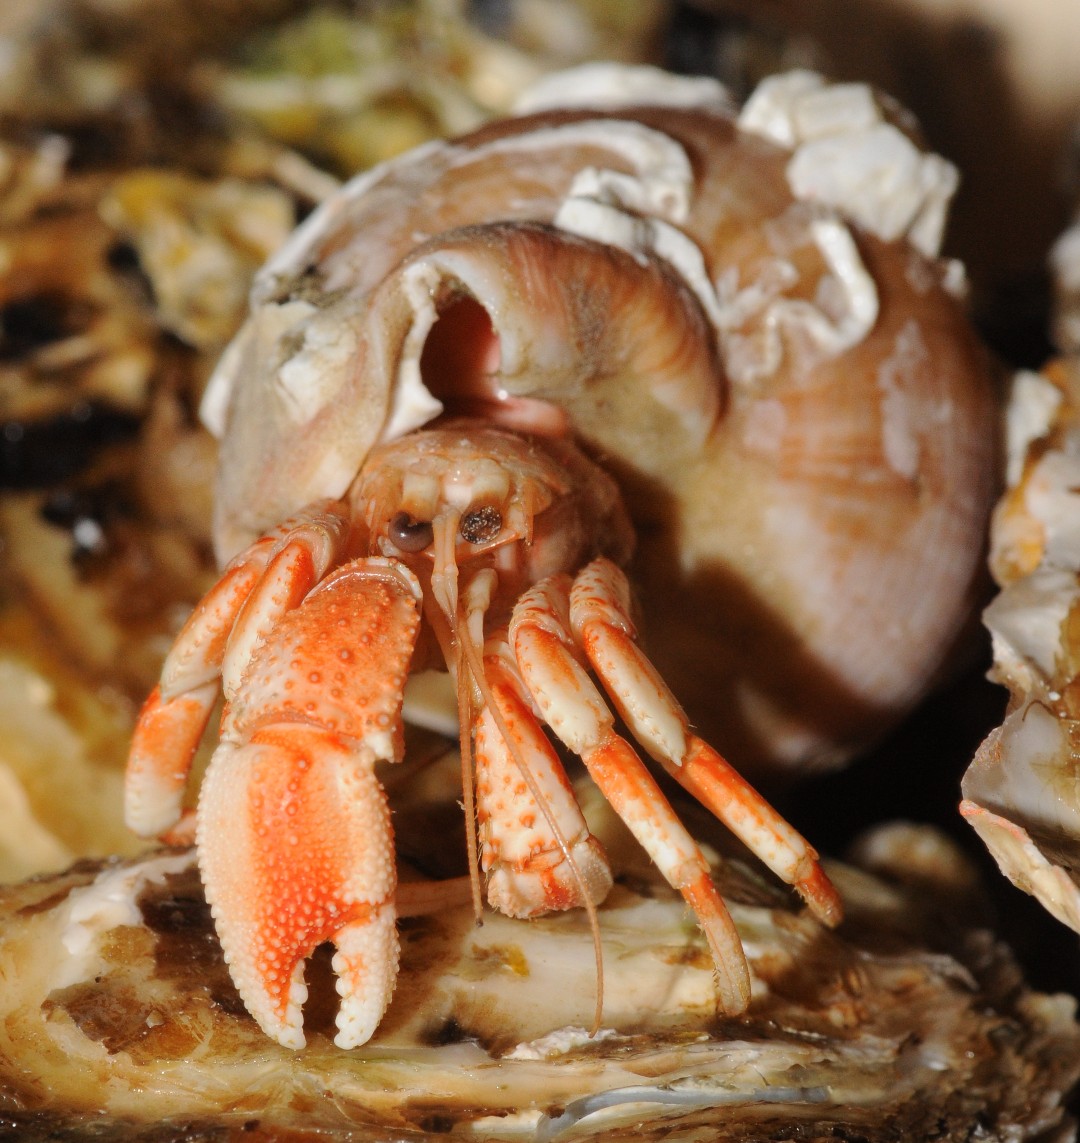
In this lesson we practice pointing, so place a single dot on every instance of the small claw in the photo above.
(195, 658)
(167, 734)
(528, 813)
(366, 966)
(310, 544)
(222, 631)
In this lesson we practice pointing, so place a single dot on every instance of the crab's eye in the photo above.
(408, 534)
(481, 525)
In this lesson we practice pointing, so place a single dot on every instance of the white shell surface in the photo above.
(611, 85)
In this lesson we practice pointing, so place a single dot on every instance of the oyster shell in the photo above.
(1020, 791)
(119, 1017)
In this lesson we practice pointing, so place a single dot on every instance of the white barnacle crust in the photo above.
(849, 318)
(1033, 402)
(1026, 622)
(1036, 529)
(858, 293)
(311, 376)
(846, 153)
(258, 338)
(905, 418)
(663, 176)
(641, 215)
(1053, 500)
(771, 111)
(592, 211)
(1035, 741)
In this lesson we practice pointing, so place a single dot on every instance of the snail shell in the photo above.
(768, 357)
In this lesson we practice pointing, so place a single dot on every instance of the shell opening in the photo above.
(459, 363)
(460, 366)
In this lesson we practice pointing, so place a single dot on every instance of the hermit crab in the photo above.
(626, 328)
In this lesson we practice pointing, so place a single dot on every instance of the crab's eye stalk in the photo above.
(481, 525)
(409, 535)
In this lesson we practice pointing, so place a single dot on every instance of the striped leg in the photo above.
(574, 709)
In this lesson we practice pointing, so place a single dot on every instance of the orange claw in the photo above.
(285, 822)
(294, 835)
(534, 849)
(166, 737)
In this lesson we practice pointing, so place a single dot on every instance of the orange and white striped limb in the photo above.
(562, 627)
(536, 848)
(600, 622)
(572, 706)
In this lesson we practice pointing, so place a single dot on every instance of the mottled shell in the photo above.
(801, 420)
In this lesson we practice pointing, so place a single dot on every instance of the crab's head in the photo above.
(451, 500)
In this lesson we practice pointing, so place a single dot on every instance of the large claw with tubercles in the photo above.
(293, 829)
